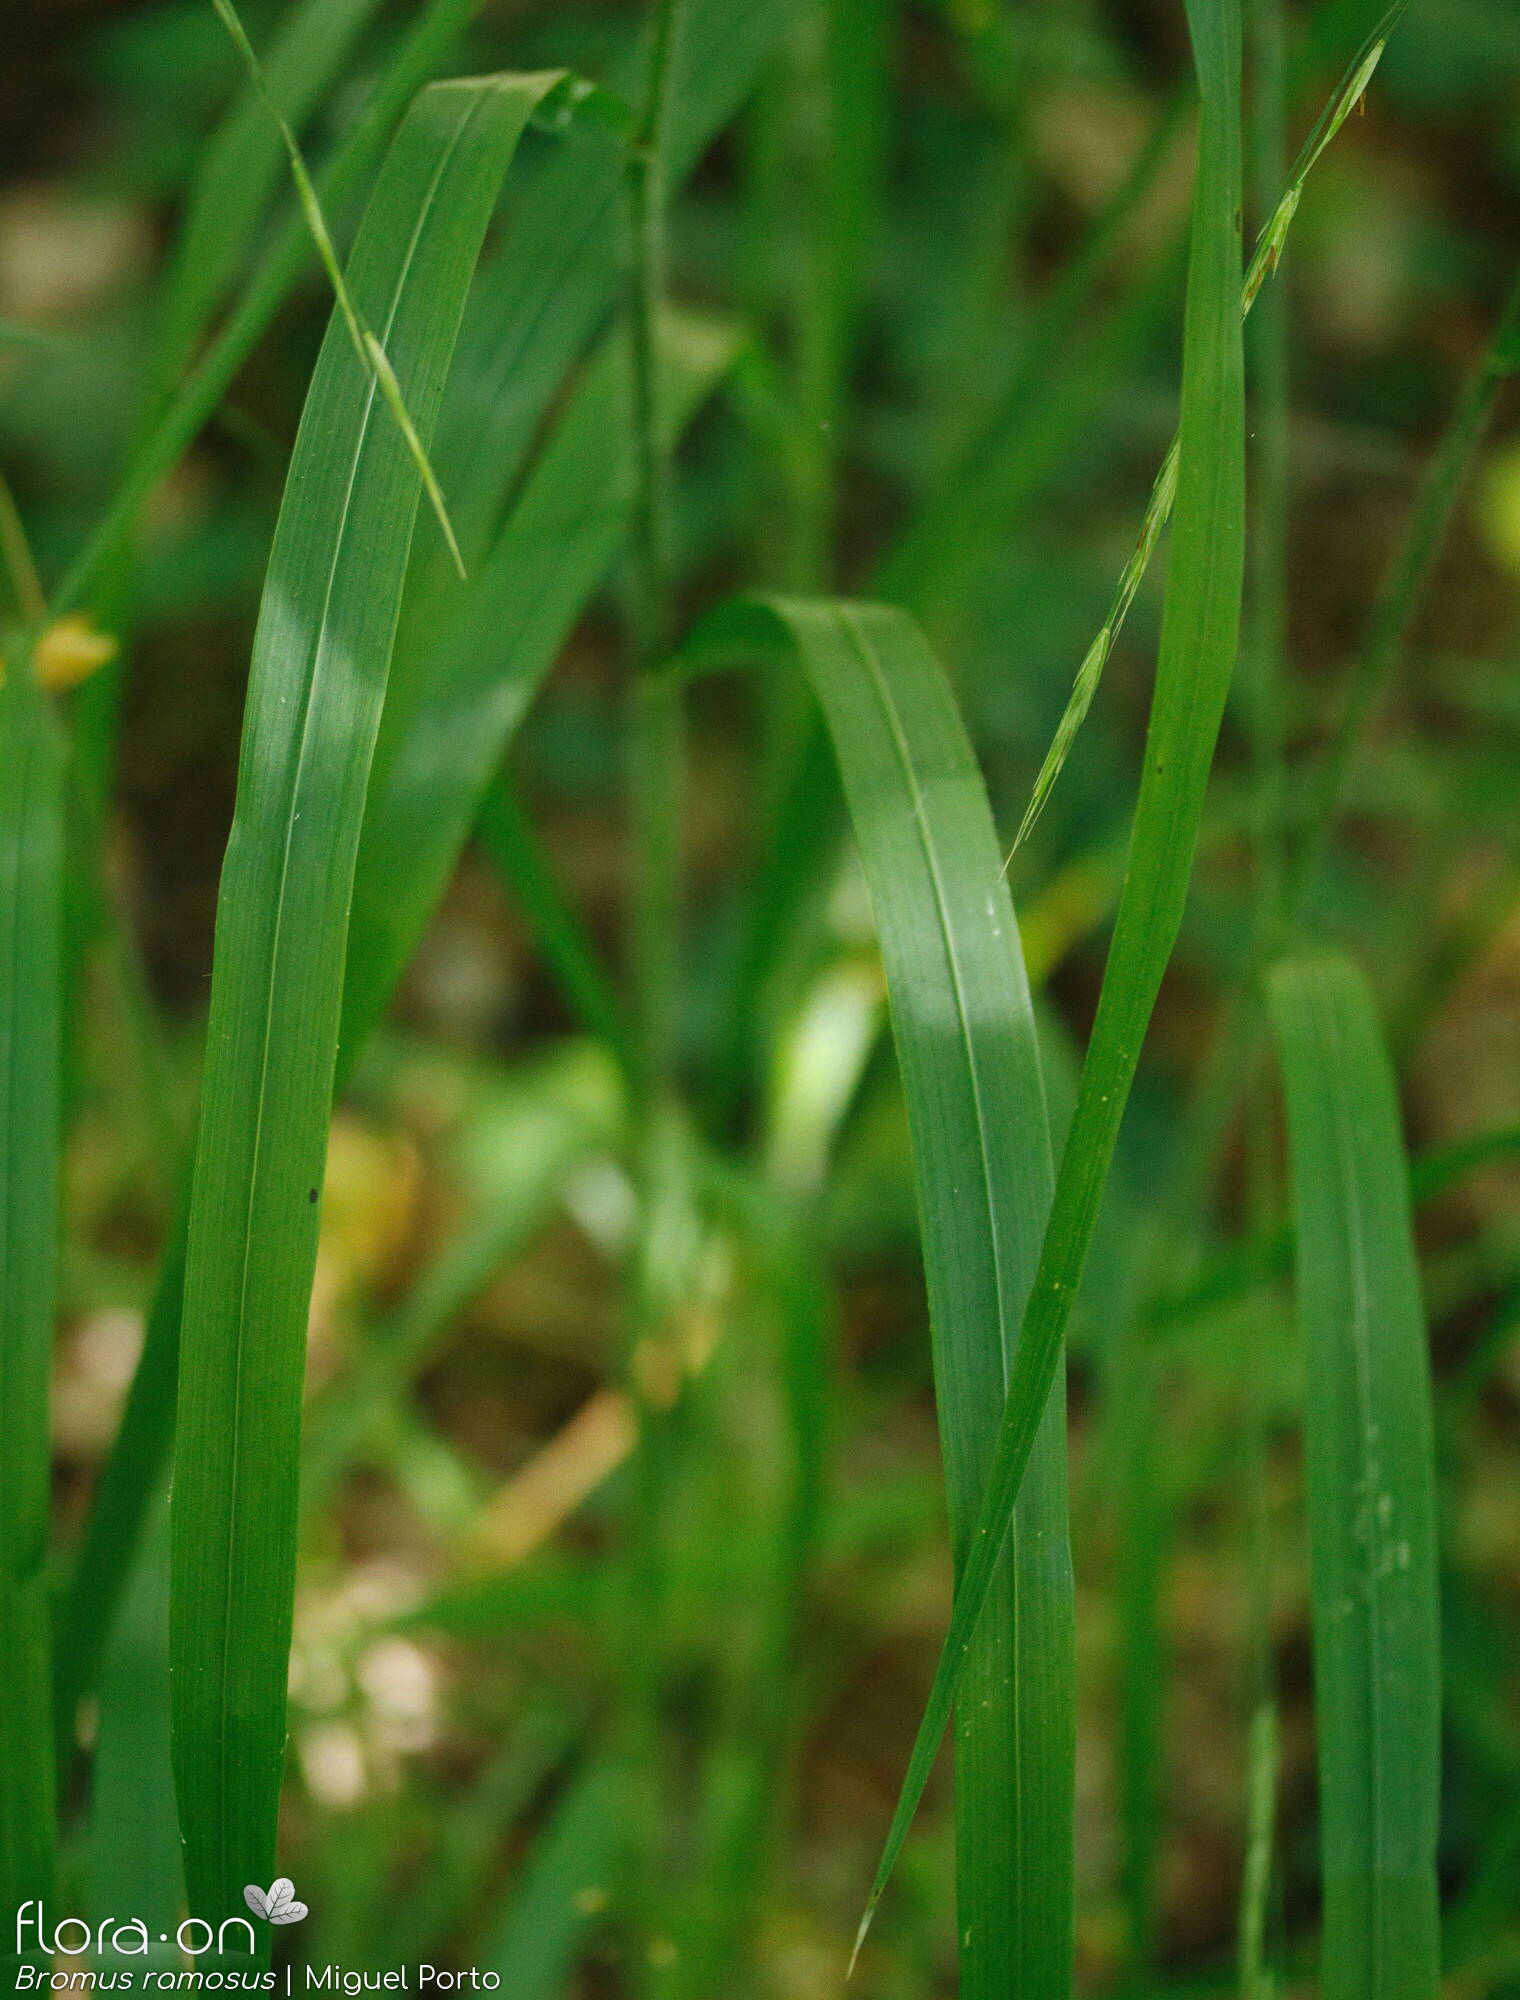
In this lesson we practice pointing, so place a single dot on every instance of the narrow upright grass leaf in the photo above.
(514, 348)
(538, 301)
(321, 655)
(1372, 1507)
(31, 1001)
(971, 1075)
(1200, 626)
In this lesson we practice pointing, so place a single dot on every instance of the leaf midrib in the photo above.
(850, 621)
(226, 1570)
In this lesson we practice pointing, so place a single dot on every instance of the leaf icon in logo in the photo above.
(279, 1905)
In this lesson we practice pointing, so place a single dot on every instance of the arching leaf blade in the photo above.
(969, 1061)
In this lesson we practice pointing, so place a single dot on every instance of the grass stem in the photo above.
(654, 787)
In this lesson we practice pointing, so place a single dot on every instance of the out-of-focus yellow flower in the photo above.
(70, 650)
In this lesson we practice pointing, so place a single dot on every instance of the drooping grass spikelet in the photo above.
(1269, 248)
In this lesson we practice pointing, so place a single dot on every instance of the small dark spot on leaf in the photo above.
(311, 1194)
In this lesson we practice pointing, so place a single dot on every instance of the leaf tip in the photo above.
(860, 1938)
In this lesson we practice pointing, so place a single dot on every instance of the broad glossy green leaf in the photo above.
(321, 655)
(31, 1004)
(1372, 1505)
(970, 1067)
(1200, 626)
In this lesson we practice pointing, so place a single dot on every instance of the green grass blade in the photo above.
(321, 654)
(924, 570)
(31, 1005)
(1200, 626)
(1233, 1051)
(1371, 1471)
(1263, 654)
(529, 316)
(536, 306)
(132, 1778)
(235, 178)
(430, 772)
(970, 1067)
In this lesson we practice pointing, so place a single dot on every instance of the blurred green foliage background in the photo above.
(462, 1615)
